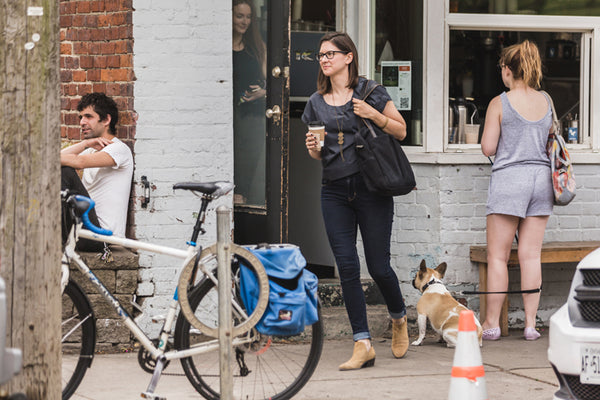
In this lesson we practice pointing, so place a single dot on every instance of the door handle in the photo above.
(274, 113)
(276, 72)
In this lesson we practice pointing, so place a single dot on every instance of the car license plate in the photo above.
(590, 365)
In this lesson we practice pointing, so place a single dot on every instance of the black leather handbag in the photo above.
(383, 164)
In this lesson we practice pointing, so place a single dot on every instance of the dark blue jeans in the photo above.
(347, 205)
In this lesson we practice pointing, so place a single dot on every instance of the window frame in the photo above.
(437, 23)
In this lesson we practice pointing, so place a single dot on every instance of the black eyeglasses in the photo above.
(329, 54)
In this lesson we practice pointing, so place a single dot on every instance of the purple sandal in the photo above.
(531, 334)
(491, 334)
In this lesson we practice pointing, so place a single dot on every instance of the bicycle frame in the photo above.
(167, 330)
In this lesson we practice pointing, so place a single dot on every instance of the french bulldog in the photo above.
(437, 304)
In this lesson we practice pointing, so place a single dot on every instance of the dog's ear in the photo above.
(423, 266)
(441, 269)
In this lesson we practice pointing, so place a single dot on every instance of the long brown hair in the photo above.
(524, 61)
(343, 42)
(252, 40)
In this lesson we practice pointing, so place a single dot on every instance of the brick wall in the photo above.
(119, 274)
(183, 96)
(96, 55)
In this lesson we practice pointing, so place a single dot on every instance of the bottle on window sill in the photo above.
(565, 127)
(573, 135)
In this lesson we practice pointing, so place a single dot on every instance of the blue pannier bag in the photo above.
(292, 290)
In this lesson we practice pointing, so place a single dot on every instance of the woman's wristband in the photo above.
(386, 122)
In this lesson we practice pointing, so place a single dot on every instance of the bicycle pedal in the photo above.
(152, 396)
(159, 318)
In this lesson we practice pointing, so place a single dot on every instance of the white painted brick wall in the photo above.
(182, 94)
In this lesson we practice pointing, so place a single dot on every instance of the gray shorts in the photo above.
(522, 191)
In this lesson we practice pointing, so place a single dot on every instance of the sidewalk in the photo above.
(514, 369)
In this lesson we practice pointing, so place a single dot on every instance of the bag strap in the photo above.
(554, 116)
(561, 154)
(366, 91)
(369, 127)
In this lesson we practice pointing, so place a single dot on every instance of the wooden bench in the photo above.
(552, 252)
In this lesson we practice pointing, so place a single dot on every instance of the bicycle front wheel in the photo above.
(78, 337)
(268, 367)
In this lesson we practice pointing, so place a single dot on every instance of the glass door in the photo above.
(260, 96)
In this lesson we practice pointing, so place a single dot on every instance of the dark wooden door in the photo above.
(262, 215)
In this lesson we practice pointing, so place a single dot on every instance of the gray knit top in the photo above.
(521, 141)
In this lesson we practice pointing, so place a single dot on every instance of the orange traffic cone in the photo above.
(468, 375)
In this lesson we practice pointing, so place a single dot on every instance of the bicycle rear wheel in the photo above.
(78, 337)
(269, 367)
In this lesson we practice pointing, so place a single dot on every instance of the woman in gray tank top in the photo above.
(520, 196)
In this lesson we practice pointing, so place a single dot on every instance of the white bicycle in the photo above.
(265, 367)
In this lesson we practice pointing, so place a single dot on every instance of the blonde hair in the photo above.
(524, 61)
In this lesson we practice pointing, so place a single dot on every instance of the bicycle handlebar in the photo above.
(85, 218)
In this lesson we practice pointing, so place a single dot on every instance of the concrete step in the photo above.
(335, 317)
(337, 325)
(330, 293)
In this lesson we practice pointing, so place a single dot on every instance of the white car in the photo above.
(574, 349)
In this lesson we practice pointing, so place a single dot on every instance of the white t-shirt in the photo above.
(109, 187)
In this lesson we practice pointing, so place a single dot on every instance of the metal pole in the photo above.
(224, 277)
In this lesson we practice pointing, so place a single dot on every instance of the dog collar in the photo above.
(431, 282)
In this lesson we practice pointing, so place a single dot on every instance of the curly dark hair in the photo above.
(103, 106)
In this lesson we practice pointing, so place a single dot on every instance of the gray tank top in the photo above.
(521, 141)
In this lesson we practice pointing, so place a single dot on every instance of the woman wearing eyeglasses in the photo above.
(520, 196)
(346, 203)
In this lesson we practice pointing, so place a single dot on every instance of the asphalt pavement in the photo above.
(514, 369)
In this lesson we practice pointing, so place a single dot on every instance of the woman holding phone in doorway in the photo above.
(249, 91)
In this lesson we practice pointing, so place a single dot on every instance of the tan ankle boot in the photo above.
(399, 338)
(361, 358)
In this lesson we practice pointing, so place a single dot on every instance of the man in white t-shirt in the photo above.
(106, 161)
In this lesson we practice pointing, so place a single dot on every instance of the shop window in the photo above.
(397, 59)
(570, 52)
(474, 80)
(527, 7)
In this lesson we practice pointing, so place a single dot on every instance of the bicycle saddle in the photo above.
(214, 189)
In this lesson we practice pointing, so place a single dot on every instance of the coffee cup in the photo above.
(318, 129)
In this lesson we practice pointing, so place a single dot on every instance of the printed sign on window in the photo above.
(396, 77)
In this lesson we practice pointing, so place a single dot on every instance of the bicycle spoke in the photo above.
(81, 322)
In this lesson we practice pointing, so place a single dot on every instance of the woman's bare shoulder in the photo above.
(495, 103)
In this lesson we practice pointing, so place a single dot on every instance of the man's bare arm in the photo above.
(97, 143)
(71, 156)
(80, 161)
